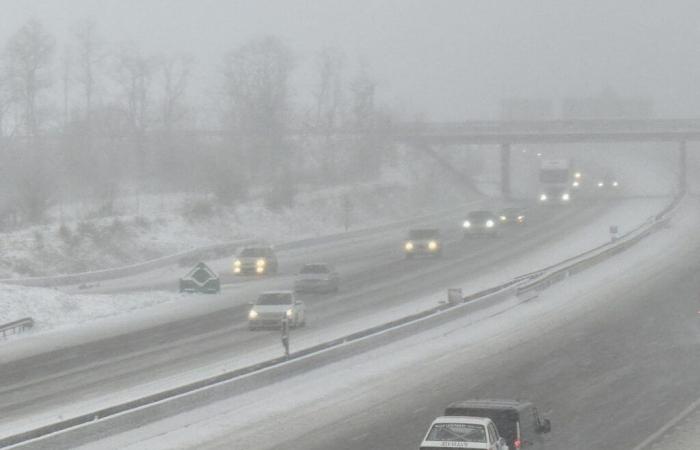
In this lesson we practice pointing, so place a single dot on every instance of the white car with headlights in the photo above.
(272, 307)
(480, 223)
(463, 432)
(317, 277)
(425, 242)
(255, 261)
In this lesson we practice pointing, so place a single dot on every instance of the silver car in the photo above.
(317, 277)
(273, 306)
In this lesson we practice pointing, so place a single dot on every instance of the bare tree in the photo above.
(256, 89)
(174, 157)
(367, 160)
(90, 55)
(27, 57)
(329, 101)
(175, 76)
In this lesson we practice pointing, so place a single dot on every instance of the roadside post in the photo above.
(347, 211)
(454, 296)
(613, 233)
(285, 336)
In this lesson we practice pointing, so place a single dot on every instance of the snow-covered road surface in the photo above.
(605, 355)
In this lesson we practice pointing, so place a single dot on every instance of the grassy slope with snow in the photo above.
(148, 226)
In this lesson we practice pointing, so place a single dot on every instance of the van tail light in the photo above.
(517, 444)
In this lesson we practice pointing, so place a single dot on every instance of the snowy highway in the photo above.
(594, 354)
(377, 284)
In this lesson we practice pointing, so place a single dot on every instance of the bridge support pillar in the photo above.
(682, 166)
(505, 171)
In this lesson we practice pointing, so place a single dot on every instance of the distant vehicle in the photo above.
(555, 181)
(463, 432)
(518, 422)
(256, 260)
(200, 279)
(273, 306)
(480, 223)
(317, 277)
(512, 216)
(608, 182)
(423, 242)
(578, 180)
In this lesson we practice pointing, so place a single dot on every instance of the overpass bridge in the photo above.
(507, 133)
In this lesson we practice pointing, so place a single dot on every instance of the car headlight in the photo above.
(543, 197)
(490, 223)
(253, 314)
(408, 246)
(601, 184)
(432, 245)
(565, 197)
(577, 175)
(290, 313)
(260, 263)
(521, 218)
(466, 224)
(575, 184)
(237, 263)
(615, 184)
(503, 218)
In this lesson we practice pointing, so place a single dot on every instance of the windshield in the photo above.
(554, 176)
(480, 215)
(457, 432)
(314, 268)
(422, 234)
(281, 298)
(253, 252)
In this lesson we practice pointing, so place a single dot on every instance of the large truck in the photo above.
(555, 181)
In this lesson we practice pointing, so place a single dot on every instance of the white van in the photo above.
(463, 432)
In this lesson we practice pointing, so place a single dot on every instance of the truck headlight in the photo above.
(575, 184)
(260, 269)
(565, 197)
(260, 263)
(466, 224)
(543, 197)
(408, 246)
(253, 314)
(290, 313)
(577, 175)
(503, 218)
(490, 223)
(432, 245)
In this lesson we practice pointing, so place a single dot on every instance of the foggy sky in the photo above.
(451, 59)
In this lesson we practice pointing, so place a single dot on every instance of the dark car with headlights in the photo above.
(512, 216)
(256, 261)
(425, 242)
(483, 223)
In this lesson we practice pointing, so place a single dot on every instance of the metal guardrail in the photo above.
(520, 286)
(16, 327)
(191, 257)
(125, 271)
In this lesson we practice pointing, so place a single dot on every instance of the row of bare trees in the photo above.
(94, 120)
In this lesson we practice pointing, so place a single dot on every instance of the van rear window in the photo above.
(457, 432)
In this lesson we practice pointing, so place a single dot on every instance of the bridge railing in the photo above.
(548, 126)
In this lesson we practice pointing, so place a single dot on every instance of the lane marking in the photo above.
(672, 423)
